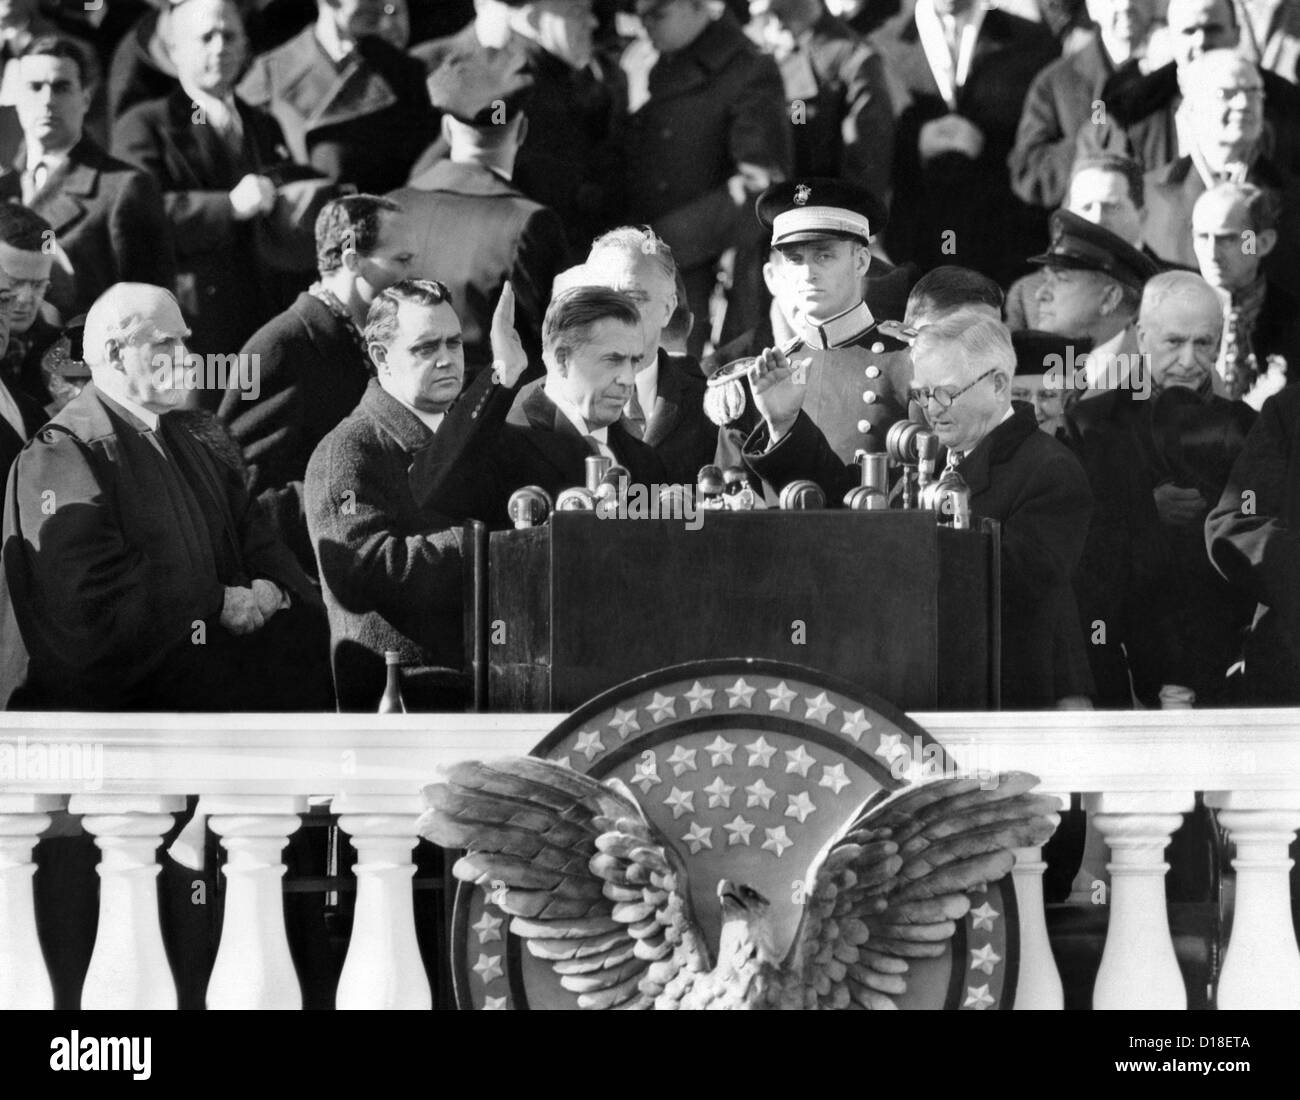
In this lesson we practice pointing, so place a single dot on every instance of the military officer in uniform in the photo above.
(857, 370)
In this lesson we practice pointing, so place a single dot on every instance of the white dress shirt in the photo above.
(935, 32)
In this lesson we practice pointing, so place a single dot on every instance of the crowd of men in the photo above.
(292, 290)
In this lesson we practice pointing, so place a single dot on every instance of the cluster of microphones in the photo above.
(911, 453)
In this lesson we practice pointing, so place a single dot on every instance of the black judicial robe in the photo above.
(118, 545)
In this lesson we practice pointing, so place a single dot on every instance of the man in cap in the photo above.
(566, 159)
(1157, 456)
(140, 575)
(473, 229)
(855, 372)
(1092, 290)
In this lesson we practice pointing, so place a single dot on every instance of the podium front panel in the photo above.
(889, 601)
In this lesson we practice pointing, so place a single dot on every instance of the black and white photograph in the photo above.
(431, 578)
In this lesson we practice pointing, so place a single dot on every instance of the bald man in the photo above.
(1157, 456)
(138, 573)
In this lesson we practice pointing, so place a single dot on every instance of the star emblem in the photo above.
(740, 694)
(984, 916)
(760, 753)
(589, 744)
(800, 806)
(719, 751)
(819, 708)
(682, 802)
(833, 776)
(682, 760)
(777, 840)
(488, 928)
(488, 967)
(890, 747)
(738, 830)
(760, 794)
(782, 696)
(697, 837)
(625, 722)
(700, 697)
(646, 774)
(984, 958)
(977, 997)
(855, 724)
(798, 760)
(497, 1003)
(719, 793)
(661, 707)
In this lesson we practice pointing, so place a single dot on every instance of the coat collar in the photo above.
(463, 179)
(406, 429)
(849, 326)
(998, 446)
(697, 64)
(326, 94)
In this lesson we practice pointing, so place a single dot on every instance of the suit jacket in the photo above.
(845, 130)
(383, 498)
(677, 428)
(474, 232)
(568, 161)
(33, 417)
(1058, 105)
(362, 123)
(1150, 583)
(540, 446)
(994, 231)
(712, 105)
(1171, 193)
(1258, 550)
(134, 75)
(1033, 486)
(1140, 109)
(218, 278)
(1273, 38)
(117, 591)
(109, 220)
(312, 373)
(21, 361)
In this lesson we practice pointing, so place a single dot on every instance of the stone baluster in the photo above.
(24, 978)
(1138, 966)
(1262, 966)
(1039, 985)
(253, 967)
(383, 968)
(129, 967)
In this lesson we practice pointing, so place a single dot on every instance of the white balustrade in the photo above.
(24, 978)
(1136, 771)
(129, 967)
(253, 967)
(383, 968)
(1262, 966)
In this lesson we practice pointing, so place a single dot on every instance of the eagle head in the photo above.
(746, 925)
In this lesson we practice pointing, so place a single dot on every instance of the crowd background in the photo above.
(304, 176)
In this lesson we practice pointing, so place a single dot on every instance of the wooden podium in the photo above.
(889, 601)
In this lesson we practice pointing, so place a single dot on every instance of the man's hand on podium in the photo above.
(778, 387)
(509, 360)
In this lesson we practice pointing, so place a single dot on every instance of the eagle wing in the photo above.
(590, 884)
(892, 885)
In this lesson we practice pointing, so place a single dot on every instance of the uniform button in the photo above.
(873, 371)
(869, 397)
(877, 347)
(864, 426)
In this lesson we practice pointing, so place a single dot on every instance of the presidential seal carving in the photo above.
(734, 833)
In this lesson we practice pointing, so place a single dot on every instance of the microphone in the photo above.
(802, 495)
(710, 488)
(576, 500)
(737, 493)
(530, 506)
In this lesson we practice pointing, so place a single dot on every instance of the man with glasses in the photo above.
(25, 263)
(1226, 144)
(1023, 478)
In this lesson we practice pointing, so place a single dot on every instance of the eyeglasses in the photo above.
(1227, 95)
(944, 396)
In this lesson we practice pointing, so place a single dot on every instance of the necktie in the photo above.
(593, 445)
(634, 416)
(34, 178)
